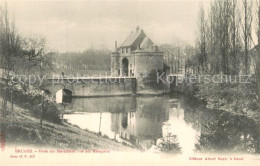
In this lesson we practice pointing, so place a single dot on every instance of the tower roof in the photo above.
(134, 38)
(146, 43)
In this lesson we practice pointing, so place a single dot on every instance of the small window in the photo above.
(132, 73)
(118, 72)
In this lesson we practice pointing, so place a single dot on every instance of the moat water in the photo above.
(164, 124)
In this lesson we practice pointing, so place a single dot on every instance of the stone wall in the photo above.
(115, 65)
(147, 62)
(108, 87)
(94, 87)
(139, 62)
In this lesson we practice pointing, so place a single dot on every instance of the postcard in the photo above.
(129, 82)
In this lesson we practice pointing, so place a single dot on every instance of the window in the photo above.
(118, 72)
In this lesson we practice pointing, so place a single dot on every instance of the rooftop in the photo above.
(134, 38)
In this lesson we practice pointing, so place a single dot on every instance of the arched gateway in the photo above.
(125, 67)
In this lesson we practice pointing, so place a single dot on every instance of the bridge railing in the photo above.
(105, 77)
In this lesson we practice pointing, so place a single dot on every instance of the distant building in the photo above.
(137, 55)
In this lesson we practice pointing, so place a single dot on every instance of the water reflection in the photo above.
(164, 124)
(176, 126)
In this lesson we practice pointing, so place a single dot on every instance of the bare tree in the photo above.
(201, 41)
(9, 49)
(235, 40)
(34, 56)
(17, 53)
(258, 54)
(221, 22)
(212, 39)
(247, 16)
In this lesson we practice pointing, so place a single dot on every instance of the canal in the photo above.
(164, 124)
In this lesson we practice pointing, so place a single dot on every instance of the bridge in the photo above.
(104, 86)
(91, 86)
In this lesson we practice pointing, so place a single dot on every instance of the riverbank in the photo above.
(20, 128)
(237, 99)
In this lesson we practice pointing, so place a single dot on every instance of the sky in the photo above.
(77, 25)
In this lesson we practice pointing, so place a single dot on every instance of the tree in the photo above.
(189, 53)
(174, 57)
(224, 41)
(9, 49)
(202, 40)
(18, 54)
(33, 57)
(247, 15)
(91, 59)
(228, 40)
(235, 46)
(258, 55)
(213, 40)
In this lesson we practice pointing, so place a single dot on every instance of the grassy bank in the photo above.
(20, 128)
(239, 99)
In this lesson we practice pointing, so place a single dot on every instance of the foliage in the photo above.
(33, 57)
(226, 132)
(18, 54)
(237, 98)
(226, 41)
(34, 100)
(176, 57)
(91, 59)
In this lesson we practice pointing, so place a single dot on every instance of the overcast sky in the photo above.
(76, 25)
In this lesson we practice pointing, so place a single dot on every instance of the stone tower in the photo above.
(137, 56)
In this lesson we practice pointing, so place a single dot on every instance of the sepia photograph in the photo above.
(121, 82)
